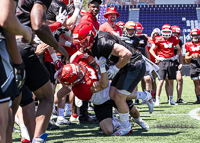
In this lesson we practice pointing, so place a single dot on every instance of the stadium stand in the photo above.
(152, 16)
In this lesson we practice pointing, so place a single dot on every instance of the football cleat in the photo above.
(149, 101)
(157, 103)
(63, 121)
(123, 131)
(171, 102)
(197, 102)
(181, 101)
(24, 140)
(141, 123)
(74, 119)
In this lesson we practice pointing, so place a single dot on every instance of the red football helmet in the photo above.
(195, 32)
(71, 74)
(176, 31)
(121, 24)
(67, 2)
(166, 31)
(130, 25)
(139, 29)
(83, 36)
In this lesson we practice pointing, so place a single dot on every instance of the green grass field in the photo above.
(167, 124)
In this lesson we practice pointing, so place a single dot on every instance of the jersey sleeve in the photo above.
(107, 44)
(156, 42)
(176, 41)
(44, 2)
(186, 47)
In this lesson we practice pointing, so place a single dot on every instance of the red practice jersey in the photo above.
(106, 27)
(88, 17)
(150, 42)
(82, 90)
(192, 47)
(166, 46)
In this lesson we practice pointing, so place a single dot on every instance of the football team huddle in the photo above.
(54, 52)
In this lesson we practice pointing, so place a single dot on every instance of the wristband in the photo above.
(76, 11)
(54, 57)
(102, 69)
(68, 44)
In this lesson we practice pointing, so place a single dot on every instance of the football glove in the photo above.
(112, 71)
(61, 17)
(102, 63)
(78, 4)
(20, 74)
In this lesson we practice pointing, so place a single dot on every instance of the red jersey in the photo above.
(192, 47)
(47, 56)
(88, 17)
(106, 27)
(150, 42)
(166, 46)
(82, 90)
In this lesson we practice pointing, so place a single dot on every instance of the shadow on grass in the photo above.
(143, 132)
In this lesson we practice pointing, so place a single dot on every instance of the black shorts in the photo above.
(104, 110)
(27, 96)
(51, 68)
(167, 67)
(177, 64)
(194, 70)
(8, 86)
(129, 76)
(36, 73)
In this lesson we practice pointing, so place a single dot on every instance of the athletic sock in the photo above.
(158, 99)
(141, 95)
(24, 132)
(137, 120)
(170, 98)
(61, 112)
(124, 118)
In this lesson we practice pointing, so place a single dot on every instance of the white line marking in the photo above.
(193, 113)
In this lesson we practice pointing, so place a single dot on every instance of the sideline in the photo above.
(193, 113)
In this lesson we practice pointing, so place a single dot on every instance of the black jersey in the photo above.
(53, 10)
(142, 44)
(24, 8)
(133, 41)
(103, 46)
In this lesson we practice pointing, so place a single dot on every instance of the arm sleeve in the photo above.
(54, 26)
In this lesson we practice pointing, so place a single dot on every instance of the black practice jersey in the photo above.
(103, 46)
(132, 41)
(142, 44)
(24, 8)
(53, 10)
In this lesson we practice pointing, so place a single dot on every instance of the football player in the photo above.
(176, 31)
(192, 56)
(33, 14)
(165, 50)
(127, 71)
(110, 25)
(121, 24)
(146, 82)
